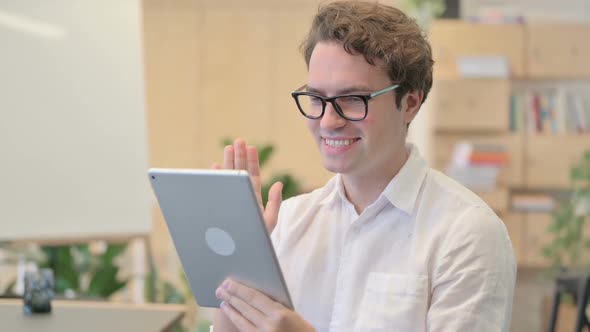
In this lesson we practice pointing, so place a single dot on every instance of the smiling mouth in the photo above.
(336, 143)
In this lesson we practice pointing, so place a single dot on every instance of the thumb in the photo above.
(271, 212)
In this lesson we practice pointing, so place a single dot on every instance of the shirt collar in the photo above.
(402, 191)
(334, 189)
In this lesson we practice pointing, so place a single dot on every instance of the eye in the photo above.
(315, 100)
(350, 100)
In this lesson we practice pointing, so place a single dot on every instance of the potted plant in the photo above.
(78, 271)
(570, 246)
(567, 227)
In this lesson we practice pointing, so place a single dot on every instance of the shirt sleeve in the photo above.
(474, 277)
(275, 236)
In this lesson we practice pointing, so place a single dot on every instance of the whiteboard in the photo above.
(73, 145)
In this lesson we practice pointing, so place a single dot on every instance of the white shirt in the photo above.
(427, 255)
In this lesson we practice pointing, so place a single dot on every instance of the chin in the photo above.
(332, 169)
(335, 166)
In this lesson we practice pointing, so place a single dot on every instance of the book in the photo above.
(533, 203)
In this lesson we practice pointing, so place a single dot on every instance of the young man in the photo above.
(388, 244)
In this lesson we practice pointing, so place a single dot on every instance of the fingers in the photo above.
(216, 166)
(252, 310)
(251, 314)
(236, 157)
(240, 157)
(236, 318)
(228, 157)
(253, 162)
(271, 212)
(240, 295)
(254, 171)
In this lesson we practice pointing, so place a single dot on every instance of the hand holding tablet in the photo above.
(218, 230)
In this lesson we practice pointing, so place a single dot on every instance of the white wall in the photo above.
(73, 146)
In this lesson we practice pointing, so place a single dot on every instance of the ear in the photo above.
(413, 101)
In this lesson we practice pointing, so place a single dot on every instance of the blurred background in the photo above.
(92, 93)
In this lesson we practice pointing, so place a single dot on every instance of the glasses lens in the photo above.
(352, 107)
(311, 106)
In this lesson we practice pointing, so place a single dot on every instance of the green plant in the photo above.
(424, 10)
(159, 290)
(567, 226)
(72, 265)
(436, 7)
(76, 269)
(15, 253)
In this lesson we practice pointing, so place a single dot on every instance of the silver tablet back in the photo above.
(218, 231)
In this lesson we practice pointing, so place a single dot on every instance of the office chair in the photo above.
(577, 285)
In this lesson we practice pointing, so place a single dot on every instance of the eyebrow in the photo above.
(348, 90)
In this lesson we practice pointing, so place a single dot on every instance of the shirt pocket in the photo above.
(393, 302)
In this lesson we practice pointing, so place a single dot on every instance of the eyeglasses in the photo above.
(352, 107)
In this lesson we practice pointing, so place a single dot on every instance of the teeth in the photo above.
(337, 143)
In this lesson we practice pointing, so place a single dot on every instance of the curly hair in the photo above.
(378, 32)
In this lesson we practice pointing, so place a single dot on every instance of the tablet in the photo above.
(219, 232)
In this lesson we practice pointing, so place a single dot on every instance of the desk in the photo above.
(91, 316)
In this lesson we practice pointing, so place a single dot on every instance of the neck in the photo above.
(363, 190)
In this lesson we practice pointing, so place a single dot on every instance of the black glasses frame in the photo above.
(332, 100)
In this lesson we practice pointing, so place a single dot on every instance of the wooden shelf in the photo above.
(476, 104)
(510, 175)
(451, 39)
(550, 55)
(548, 159)
(478, 111)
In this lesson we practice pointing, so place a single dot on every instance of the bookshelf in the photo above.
(539, 116)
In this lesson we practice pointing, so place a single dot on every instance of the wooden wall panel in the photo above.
(171, 81)
(235, 81)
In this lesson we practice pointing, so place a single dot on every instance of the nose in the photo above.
(331, 119)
